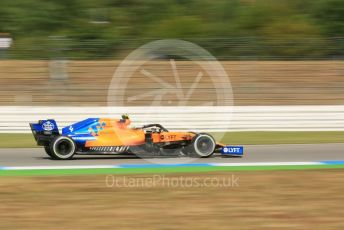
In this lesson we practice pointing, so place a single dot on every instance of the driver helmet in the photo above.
(125, 116)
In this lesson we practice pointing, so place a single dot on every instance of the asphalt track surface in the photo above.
(253, 153)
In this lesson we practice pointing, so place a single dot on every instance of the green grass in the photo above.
(15, 140)
(233, 138)
(194, 169)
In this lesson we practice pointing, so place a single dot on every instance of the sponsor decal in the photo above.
(83, 138)
(48, 126)
(233, 150)
(114, 149)
(168, 137)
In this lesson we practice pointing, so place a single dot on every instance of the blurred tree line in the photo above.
(227, 28)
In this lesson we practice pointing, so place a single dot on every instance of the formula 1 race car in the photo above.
(113, 136)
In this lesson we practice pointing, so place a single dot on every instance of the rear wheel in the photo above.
(203, 145)
(62, 148)
(47, 150)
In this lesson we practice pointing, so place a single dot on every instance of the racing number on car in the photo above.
(168, 137)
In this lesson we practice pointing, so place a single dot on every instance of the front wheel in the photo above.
(62, 148)
(203, 145)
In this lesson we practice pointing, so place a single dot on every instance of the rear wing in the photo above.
(44, 131)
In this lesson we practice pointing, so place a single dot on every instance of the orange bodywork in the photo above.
(115, 132)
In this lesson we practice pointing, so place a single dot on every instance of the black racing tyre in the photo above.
(62, 148)
(202, 145)
(47, 150)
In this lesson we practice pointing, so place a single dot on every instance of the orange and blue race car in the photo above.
(114, 136)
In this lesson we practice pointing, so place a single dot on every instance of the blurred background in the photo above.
(284, 52)
(229, 29)
(284, 59)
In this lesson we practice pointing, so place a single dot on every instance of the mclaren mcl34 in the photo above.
(114, 136)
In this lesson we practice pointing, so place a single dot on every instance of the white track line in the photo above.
(154, 166)
(267, 164)
(59, 167)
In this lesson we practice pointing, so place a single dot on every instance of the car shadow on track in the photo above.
(128, 157)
